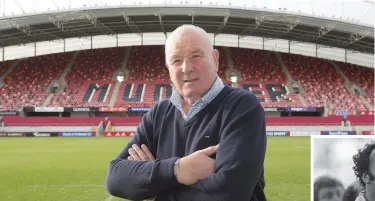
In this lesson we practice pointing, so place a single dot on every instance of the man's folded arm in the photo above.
(239, 160)
(139, 180)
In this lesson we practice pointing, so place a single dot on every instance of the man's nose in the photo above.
(187, 67)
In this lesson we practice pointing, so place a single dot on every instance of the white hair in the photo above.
(182, 29)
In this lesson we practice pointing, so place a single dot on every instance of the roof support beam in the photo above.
(223, 23)
(356, 37)
(58, 24)
(290, 25)
(26, 29)
(61, 25)
(96, 23)
(258, 21)
(130, 24)
(323, 30)
(161, 22)
(285, 20)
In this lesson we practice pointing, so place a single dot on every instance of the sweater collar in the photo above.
(216, 87)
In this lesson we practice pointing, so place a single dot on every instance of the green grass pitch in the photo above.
(74, 169)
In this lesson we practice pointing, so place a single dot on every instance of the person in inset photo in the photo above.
(352, 191)
(364, 170)
(328, 188)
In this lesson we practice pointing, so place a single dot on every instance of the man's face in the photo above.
(191, 63)
(331, 194)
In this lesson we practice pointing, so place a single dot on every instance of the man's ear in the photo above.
(366, 178)
(216, 56)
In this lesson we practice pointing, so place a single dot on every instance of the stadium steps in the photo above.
(290, 79)
(348, 85)
(343, 75)
(338, 69)
(229, 58)
(365, 101)
(230, 69)
(2, 78)
(66, 71)
(48, 100)
(122, 68)
(62, 81)
(123, 65)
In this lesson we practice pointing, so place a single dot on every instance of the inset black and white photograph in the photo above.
(343, 168)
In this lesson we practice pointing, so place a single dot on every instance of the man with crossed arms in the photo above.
(206, 143)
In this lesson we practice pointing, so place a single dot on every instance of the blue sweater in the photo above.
(234, 119)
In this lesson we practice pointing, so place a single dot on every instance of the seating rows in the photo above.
(26, 85)
(140, 93)
(323, 85)
(272, 94)
(90, 67)
(147, 63)
(90, 80)
(257, 65)
(362, 76)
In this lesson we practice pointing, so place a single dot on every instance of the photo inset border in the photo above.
(332, 173)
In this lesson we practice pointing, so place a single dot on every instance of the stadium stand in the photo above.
(262, 74)
(223, 63)
(364, 77)
(4, 66)
(92, 70)
(323, 85)
(257, 65)
(147, 63)
(26, 85)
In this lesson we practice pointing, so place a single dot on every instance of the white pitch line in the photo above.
(109, 198)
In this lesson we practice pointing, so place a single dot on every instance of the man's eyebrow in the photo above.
(198, 51)
(174, 56)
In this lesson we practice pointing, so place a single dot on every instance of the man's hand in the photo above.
(140, 153)
(196, 166)
(192, 168)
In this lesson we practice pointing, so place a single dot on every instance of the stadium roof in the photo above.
(36, 27)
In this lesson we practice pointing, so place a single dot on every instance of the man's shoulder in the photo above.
(239, 96)
(161, 107)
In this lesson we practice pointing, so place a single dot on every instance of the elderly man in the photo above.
(364, 169)
(206, 143)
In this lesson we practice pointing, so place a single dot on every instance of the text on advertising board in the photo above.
(76, 134)
(338, 133)
(277, 133)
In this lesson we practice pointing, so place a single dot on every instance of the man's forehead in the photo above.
(185, 46)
